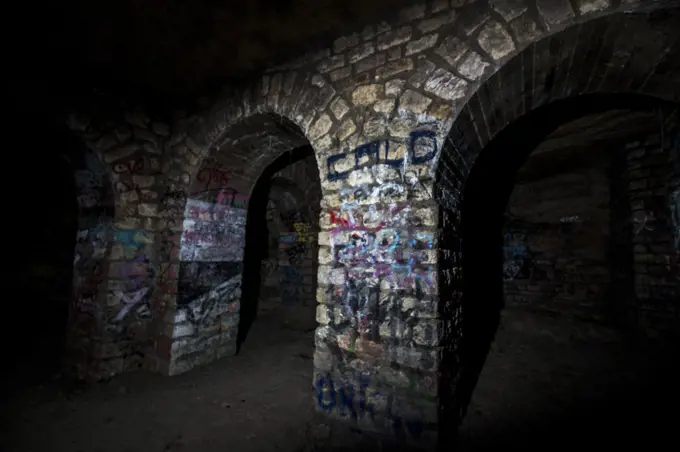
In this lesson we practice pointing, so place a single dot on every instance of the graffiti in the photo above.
(291, 281)
(301, 229)
(422, 147)
(515, 257)
(212, 232)
(142, 166)
(124, 187)
(373, 217)
(570, 219)
(355, 401)
(213, 173)
(129, 300)
(288, 238)
(90, 180)
(198, 278)
(216, 302)
(641, 222)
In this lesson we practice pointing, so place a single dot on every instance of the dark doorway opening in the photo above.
(587, 406)
(279, 275)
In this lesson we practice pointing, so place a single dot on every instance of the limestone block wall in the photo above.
(651, 178)
(556, 244)
(396, 114)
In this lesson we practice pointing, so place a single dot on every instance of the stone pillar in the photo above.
(376, 356)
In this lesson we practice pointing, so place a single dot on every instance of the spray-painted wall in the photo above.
(385, 110)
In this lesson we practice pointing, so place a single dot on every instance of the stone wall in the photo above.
(396, 114)
(556, 243)
(652, 180)
(599, 244)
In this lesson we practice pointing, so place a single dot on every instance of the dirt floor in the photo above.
(542, 389)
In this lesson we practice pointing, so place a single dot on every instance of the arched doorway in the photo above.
(225, 238)
(564, 287)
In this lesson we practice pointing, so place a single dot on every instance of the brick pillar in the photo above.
(377, 356)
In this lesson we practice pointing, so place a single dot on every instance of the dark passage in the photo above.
(580, 324)
(38, 284)
(281, 250)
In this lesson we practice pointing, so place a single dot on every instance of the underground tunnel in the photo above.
(440, 225)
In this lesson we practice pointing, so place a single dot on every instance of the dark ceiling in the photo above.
(169, 49)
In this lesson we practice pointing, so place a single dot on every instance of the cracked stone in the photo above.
(555, 12)
(446, 85)
(414, 102)
(496, 40)
(588, 6)
(509, 9)
(451, 49)
(472, 66)
(419, 45)
(339, 108)
(320, 127)
(367, 94)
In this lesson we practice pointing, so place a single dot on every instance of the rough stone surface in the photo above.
(385, 111)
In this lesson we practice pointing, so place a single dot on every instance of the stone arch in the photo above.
(597, 57)
(218, 187)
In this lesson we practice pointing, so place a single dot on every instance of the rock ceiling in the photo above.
(172, 48)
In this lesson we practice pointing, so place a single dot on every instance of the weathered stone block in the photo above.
(419, 45)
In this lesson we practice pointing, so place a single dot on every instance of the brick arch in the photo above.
(226, 153)
(297, 101)
(614, 60)
(609, 52)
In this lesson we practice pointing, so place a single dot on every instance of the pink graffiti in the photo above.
(216, 174)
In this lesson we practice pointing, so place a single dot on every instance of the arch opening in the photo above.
(571, 287)
(234, 264)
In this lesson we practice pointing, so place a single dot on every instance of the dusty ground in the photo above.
(539, 390)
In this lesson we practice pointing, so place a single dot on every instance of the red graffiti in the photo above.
(142, 166)
(122, 187)
(356, 218)
(214, 174)
(338, 220)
